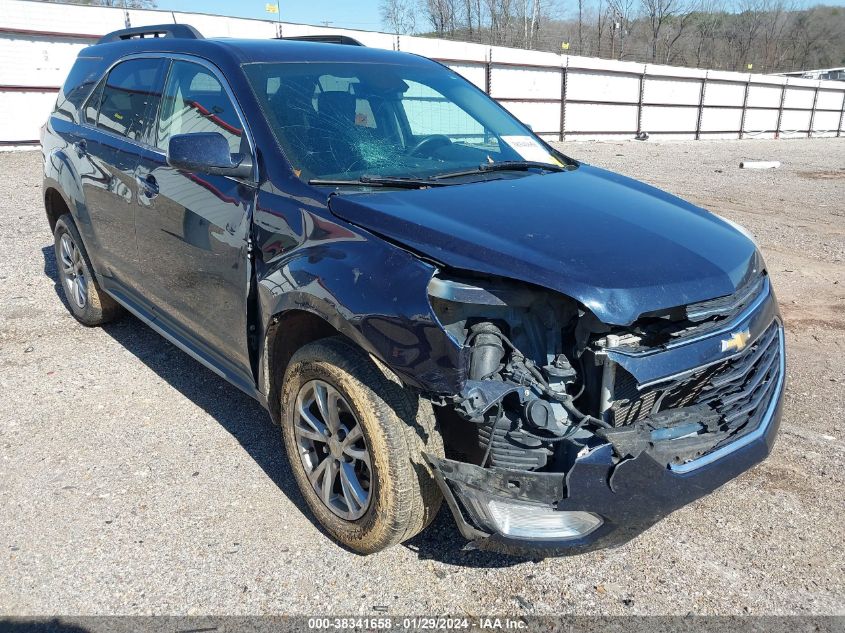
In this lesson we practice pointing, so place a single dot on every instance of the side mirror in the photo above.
(207, 153)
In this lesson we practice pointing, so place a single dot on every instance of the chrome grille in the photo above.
(694, 319)
(726, 307)
(739, 388)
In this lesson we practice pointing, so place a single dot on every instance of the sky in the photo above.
(352, 14)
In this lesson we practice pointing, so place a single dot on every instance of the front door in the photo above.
(192, 228)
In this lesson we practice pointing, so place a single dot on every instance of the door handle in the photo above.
(148, 185)
(81, 147)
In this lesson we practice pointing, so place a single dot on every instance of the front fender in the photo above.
(369, 290)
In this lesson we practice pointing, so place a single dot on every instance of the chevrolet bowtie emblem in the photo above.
(736, 342)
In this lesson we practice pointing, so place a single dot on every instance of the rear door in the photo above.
(192, 227)
(118, 118)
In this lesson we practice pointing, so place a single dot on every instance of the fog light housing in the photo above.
(529, 521)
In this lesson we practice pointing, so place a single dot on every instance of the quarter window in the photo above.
(93, 104)
(195, 101)
(130, 97)
(80, 81)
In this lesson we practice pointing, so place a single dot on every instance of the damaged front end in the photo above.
(571, 434)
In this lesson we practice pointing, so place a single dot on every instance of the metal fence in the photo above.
(561, 97)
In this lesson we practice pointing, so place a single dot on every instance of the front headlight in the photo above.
(491, 292)
(456, 301)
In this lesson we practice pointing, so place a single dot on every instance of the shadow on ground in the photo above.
(39, 626)
(249, 423)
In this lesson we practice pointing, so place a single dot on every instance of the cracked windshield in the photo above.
(363, 122)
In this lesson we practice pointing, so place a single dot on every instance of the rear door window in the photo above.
(195, 101)
(131, 96)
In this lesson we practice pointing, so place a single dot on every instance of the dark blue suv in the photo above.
(431, 301)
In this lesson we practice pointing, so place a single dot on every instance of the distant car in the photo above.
(429, 299)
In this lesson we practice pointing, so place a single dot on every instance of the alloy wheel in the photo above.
(73, 271)
(333, 450)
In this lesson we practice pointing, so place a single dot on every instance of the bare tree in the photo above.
(398, 16)
(676, 28)
(441, 14)
(601, 24)
(501, 20)
(706, 22)
(775, 21)
(531, 22)
(580, 27)
(742, 31)
(770, 34)
(658, 14)
(469, 10)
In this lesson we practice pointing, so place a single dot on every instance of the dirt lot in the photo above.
(133, 480)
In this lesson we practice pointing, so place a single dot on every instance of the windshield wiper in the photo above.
(434, 181)
(378, 181)
(505, 165)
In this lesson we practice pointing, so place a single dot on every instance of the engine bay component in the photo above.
(522, 411)
(506, 445)
(487, 351)
(522, 387)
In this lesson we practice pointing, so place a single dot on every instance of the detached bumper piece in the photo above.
(601, 501)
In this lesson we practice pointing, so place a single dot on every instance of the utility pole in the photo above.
(275, 7)
(613, 28)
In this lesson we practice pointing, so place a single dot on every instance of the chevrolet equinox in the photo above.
(431, 301)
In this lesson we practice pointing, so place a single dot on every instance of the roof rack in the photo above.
(326, 39)
(183, 31)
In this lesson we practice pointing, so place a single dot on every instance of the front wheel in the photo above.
(355, 439)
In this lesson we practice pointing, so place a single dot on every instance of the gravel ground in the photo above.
(133, 480)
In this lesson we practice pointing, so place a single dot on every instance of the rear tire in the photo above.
(397, 496)
(86, 300)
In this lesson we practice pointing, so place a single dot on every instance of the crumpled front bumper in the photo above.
(630, 496)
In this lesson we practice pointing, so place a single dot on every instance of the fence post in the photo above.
(563, 74)
(813, 111)
(841, 117)
(744, 107)
(780, 108)
(488, 72)
(700, 107)
(640, 105)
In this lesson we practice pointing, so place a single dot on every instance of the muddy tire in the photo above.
(383, 491)
(86, 300)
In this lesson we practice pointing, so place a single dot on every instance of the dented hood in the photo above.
(617, 245)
